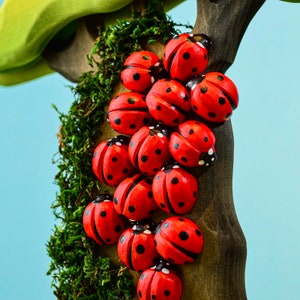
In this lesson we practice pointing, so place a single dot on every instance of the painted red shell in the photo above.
(128, 112)
(133, 198)
(101, 222)
(159, 283)
(175, 190)
(138, 75)
(168, 102)
(186, 56)
(110, 162)
(193, 144)
(136, 248)
(178, 240)
(215, 97)
(149, 149)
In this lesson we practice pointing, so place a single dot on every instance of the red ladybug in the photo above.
(140, 71)
(193, 144)
(149, 149)
(168, 102)
(214, 97)
(128, 112)
(136, 248)
(178, 240)
(159, 282)
(101, 222)
(133, 197)
(175, 190)
(186, 56)
(110, 161)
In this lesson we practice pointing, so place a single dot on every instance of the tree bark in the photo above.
(219, 272)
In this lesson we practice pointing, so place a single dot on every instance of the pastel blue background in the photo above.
(266, 168)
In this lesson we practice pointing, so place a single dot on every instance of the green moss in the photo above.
(77, 272)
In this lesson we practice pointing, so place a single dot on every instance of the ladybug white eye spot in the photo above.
(152, 79)
(212, 159)
(201, 162)
(118, 143)
(176, 167)
(134, 227)
(210, 151)
(159, 134)
(147, 231)
(165, 271)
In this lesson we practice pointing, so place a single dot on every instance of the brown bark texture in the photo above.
(219, 272)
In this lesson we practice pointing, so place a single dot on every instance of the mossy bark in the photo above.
(219, 272)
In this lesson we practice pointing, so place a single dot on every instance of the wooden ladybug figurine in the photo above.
(101, 222)
(128, 112)
(214, 96)
(175, 190)
(160, 282)
(178, 240)
(136, 248)
(142, 68)
(186, 56)
(110, 160)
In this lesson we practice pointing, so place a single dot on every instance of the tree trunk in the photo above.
(219, 272)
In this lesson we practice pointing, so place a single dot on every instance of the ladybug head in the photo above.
(201, 39)
(164, 266)
(103, 197)
(191, 84)
(159, 130)
(143, 226)
(118, 140)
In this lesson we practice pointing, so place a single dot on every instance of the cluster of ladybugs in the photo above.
(147, 162)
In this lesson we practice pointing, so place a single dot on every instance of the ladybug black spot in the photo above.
(125, 171)
(158, 107)
(162, 205)
(140, 294)
(181, 204)
(151, 212)
(195, 107)
(167, 293)
(116, 200)
(109, 177)
(158, 151)
(176, 121)
(150, 194)
(130, 101)
(198, 232)
(176, 146)
(203, 89)
(117, 121)
(131, 208)
(184, 159)
(136, 76)
(219, 77)
(183, 235)
(118, 228)
(186, 55)
(108, 240)
(132, 126)
(211, 114)
(103, 214)
(146, 121)
(168, 90)
(221, 101)
(181, 219)
(194, 70)
(146, 57)
(114, 159)
(205, 139)
(153, 296)
(174, 180)
(195, 194)
(144, 158)
(185, 97)
(191, 131)
(205, 57)
(140, 249)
